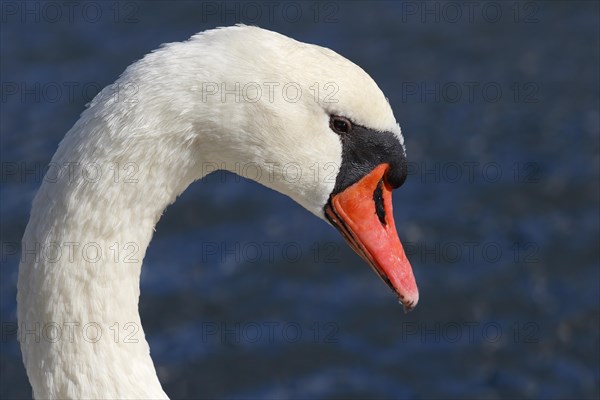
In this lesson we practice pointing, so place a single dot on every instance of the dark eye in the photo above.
(340, 125)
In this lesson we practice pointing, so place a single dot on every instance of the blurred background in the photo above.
(247, 295)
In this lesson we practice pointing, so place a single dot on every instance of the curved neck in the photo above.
(91, 222)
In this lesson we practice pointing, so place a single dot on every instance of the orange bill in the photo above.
(363, 214)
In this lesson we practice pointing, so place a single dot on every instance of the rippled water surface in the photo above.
(247, 295)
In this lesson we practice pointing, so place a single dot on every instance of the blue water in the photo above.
(499, 105)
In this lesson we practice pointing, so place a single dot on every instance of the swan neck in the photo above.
(90, 226)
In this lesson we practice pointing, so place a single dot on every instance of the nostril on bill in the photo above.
(378, 199)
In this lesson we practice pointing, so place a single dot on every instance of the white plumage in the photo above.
(166, 125)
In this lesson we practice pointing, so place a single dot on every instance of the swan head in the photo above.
(304, 120)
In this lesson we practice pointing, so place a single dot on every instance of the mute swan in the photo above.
(168, 116)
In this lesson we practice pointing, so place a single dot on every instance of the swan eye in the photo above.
(340, 125)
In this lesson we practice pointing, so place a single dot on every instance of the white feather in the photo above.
(158, 126)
